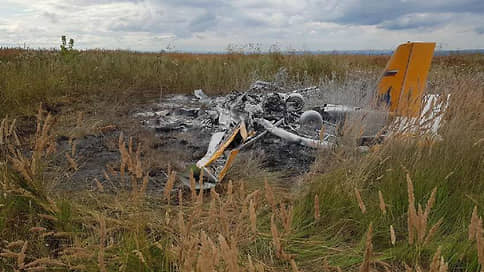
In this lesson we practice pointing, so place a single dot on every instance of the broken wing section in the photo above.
(222, 150)
(403, 81)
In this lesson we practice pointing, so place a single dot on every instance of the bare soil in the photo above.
(96, 143)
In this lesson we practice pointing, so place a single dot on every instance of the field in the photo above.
(412, 203)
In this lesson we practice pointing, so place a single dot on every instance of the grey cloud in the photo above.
(52, 17)
(184, 18)
(216, 23)
(187, 18)
(252, 22)
(203, 22)
(416, 21)
(99, 2)
(391, 14)
(200, 4)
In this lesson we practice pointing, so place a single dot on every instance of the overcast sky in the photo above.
(211, 25)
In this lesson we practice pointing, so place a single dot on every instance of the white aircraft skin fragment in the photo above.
(212, 147)
(429, 121)
(200, 94)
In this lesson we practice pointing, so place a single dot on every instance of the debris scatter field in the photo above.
(236, 162)
(209, 120)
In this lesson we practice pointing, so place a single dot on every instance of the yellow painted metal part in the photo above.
(391, 82)
(224, 146)
(229, 162)
(240, 130)
(403, 81)
(416, 79)
(243, 131)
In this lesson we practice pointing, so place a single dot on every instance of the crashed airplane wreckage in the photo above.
(240, 119)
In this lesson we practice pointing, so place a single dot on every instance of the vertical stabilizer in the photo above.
(403, 81)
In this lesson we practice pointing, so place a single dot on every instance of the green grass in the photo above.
(455, 165)
(28, 77)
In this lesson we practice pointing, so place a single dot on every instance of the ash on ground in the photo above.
(189, 121)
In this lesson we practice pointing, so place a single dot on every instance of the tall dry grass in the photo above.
(255, 225)
(386, 185)
(28, 77)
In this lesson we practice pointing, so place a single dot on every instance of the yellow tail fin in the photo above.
(403, 82)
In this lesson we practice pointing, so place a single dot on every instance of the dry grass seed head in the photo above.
(44, 261)
(437, 262)
(418, 218)
(275, 236)
(8, 254)
(286, 215)
(269, 195)
(421, 224)
(366, 265)
(229, 254)
(242, 193)
(361, 204)
(169, 186)
(181, 223)
(72, 163)
(412, 212)
(480, 244)
(99, 185)
(474, 226)
(393, 237)
(37, 229)
(253, 196)
(294, 266)
(383, 206)
(138, 168)
(423, 217)
(15, 244)
(214, 194)
(208, 256)
(48, 217)
(21, 255)
(476, 231)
